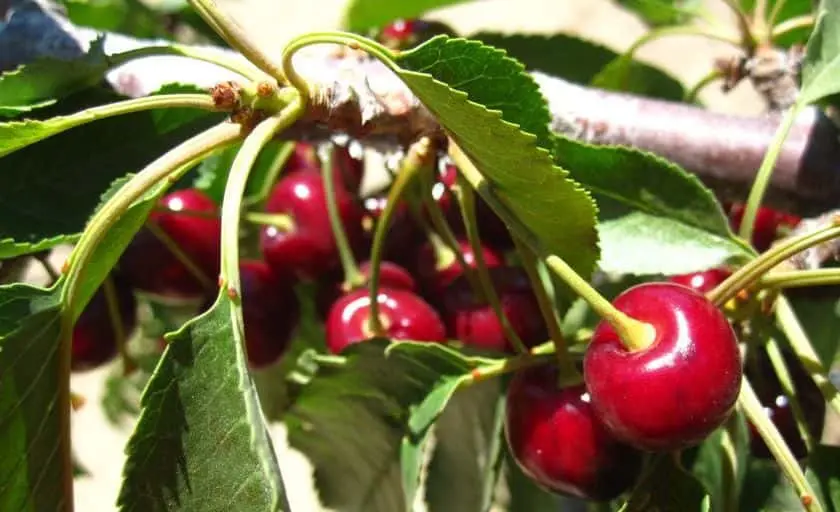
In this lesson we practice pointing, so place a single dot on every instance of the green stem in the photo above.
(748, 35)
(541, 354)
(778, 5)
(774, 353)
(236, 37)
(800, 278)
(281, 221)
(416, 159)
(352, 275)
(568, 371)
(635, 335)
(765, 171)
(102, 221)
(778, 447)
(792, 24)
(729, 462)
(172, 246)
(117, 324)
(801, 345)
(243, 68)
(680, 30)
(466, 200)
(752, 271)
(691, 94)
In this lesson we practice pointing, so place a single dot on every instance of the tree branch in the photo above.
(362, 98)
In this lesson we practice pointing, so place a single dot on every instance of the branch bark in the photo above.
(360, 97)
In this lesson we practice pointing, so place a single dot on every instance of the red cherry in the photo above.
(399, 30)
(309, 248)
(491, 229)
(192, 223)
(558, 440)
(348, 170)
(270, 311)
(303, 156)
(768, 224)
(474, 322)
(391, 275)
(94, 339)
(435, 280)
(404, 315)
(704, 281)
(676, 391)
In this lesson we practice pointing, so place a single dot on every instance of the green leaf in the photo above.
(365, 14)
(46, 80)
(539, 53)
(664, 12)
(482, 98)
(31, 469)
(200, 442)
(667, 486)
(468, 439)
(69, 172)
(523, 494)
(821, 68)
(214, 170)
(714, 463)
(819, 315)
(761, 477)
(665, 222)
(350, 419)
(628, 75)
(824, 468)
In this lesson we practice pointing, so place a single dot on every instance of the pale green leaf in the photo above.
(821, 69)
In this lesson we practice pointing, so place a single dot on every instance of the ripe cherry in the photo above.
(704, 281)
(769, 224)
(473, 321)
(491, 229)
(308, 248)
(391, 275)
(436, 277)
(405, 33)
(270, 310)
(558, 440)
(681, 387)
(190, 219)
(94, 335)
(404, 316)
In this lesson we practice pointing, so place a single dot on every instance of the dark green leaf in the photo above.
(721, 462)
(31, 469)
(365, 14)
(44, 81)
(760, 479)
(628, 75)
(540, 53)
(821, 69)
(351, 418)
(69, 172)
(200, 442)
(214, 170)
(668, 222)
(824, 468)
(468, 441)
(523, 494)
(458, 81)
(664, 12)
(820, 317)
(124, 16)
(666, 486)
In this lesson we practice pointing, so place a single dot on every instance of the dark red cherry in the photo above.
(391, 275)
(491, 229)
(436, 276)
(270, 310)
(304, 156)
(405, 33)
(676, 391)
(557, 439)
(704, 281)
(473, 321)
(190, 219)
(94, 336)
(769, 224)
(309, 248)
(404, 316)
(349, 171)
(778, 407)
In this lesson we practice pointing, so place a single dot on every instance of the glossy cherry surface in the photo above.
(94, 337)
(391, 275)
(704, 281)
(557, 439)
(473, 321)
(190, 219)
(404, 316)
(768, 224)
(270, 310)
(676, 391)
(309, 248)
(435, 279)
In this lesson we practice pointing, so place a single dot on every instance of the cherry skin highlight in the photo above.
(193, 224)
(94, 341)
(391, 275)
(557, 439)
(404, 316)
(675, 392)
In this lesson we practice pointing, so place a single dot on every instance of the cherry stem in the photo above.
(172, 246)
(800, 278)
(805, 21)
(801, 345)
(774, 13)
(240, 67)
(283, 222)
(274, 170)
(417, 158)
(353, 278)
(228, 30)
(765, 172)
(754, 270)
(634, 335)
(691, 95)
(568, 373)
(777, 445)
(729, 463)
(774, 353)
(117, 324)
(466, 200)
(541, 354)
